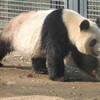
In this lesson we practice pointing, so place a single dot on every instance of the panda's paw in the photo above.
(60, 79)
(42, 71)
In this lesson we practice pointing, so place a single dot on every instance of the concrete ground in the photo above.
(18, 80)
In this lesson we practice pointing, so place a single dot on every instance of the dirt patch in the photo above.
(17, 79)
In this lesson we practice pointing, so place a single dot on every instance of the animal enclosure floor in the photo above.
(17, 79)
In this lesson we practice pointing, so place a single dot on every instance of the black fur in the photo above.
(39, 65)
(85, 62)
(84, 25)
(92, 43)
(5, 47)
(56, 43)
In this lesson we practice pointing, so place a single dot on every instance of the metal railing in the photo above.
(93, 9)
(11, 8)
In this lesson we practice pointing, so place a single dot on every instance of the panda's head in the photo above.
(89, 38)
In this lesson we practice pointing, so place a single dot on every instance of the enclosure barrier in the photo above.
(93, 9)
(11, 8)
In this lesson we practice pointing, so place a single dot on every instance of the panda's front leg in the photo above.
(55, 65)
(39, 65)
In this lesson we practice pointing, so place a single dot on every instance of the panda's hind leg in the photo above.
(5, 47)
(39, 65)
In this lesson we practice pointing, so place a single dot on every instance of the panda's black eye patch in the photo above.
(93, 42)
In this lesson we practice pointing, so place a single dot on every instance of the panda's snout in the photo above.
(97, 76)
(94, 47)
(96, 53)
(94, 73)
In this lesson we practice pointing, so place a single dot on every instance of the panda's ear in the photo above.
(84, 25)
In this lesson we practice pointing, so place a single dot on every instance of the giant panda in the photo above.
(48, 36)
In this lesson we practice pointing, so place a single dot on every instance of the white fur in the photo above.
(81, 39)
(24, 32)
(26, 29)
